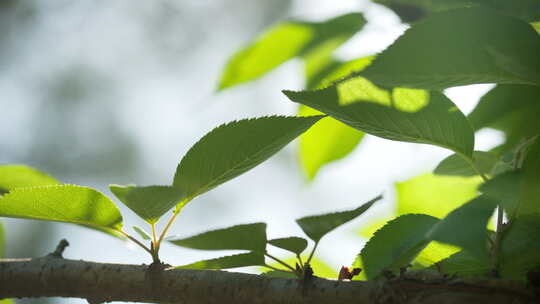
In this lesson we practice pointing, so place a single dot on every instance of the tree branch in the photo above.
(51, 276)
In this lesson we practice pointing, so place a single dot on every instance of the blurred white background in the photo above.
(100, 92)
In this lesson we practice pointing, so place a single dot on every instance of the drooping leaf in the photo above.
(464, 264)
(520, 248)
(456, 165)
(500, 49)
(513, 109)
(435, 195)
(242, 237)
(286, 41)
(231, 261)
(149, 202)
(466, 226)
(15, 176)
(234, 148)
(62, 203)
(316, 226)
(400, 114)
(144, 235)
(396, 244)
(293, 244)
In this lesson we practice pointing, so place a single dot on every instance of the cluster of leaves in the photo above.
(442, 218)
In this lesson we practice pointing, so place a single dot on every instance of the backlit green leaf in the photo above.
(396, 244)
(500, 49)
(144, 235)
(241, 237)
(521, 247)
(399, 114)
(15, 176)
(464, 264)
(435, 252)
(234, 148)
(62, 203)
(150, 202)
(315, 227)
(293, 244)
(286, 41)
(435, 195)
(456, 165)
(231, 261)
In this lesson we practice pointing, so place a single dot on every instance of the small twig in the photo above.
(312, 252)
(134, 240)
(59, 249)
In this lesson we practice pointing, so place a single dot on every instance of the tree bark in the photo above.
(53, 276)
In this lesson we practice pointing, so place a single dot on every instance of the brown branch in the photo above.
(100, 282)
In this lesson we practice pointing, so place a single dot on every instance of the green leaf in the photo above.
(513, 109)
(435, 195)
(396, 244)
(435, 252)
(15, 176)
(2, 241)
(369, 230)
(505, 187)
(456, 165)
(7, 301)
(315, 227)
(62, 203)
(463, 264)
(150, 202)
(466, 226)
(500, 49)
(286, 41)
(241, 237)
(234, 148)
(320, 268)
(531, 183)
(293, 244)
(400, 114)
(144, 235)
(520, 248)
(231, 261)
(336, 71)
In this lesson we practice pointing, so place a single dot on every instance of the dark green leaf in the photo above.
(456, 165)
(144, 235)
(63, 203)
(234, 148)
(150, 202)
(396, 244)
(521, 247)
(286, 41)
(464, 264)
(500, 49)
(531, 183)
(293, 244)
(15, 176)
(231, 261)
(505, 187)
(241, 237)
(315, 227)
(401, 114)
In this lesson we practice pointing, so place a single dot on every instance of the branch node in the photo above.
(59, 249)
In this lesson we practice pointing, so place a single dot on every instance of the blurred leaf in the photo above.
(435, 195)
(463, 264)
(466, 226)
(513, 109)
(62, 203)
(241, 237)
(293, 244)
(320, 268)
(286, 41)
(531, 183)
(232, 149)
(7, 301)
(2, 241)
(358, 263)
(500, 49)
(520, 248)
(15, 176)
(231, 261)
(150, 202)
(435, 252)
(337, 71)
(400, 114)
(368, 230)
(505, 187)
(316, 226)
(396, 244)
(456, 165)
(144, 235)
(536, 26)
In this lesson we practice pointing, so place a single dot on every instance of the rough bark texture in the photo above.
(53, 276)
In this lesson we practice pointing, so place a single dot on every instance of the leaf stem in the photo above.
(154, 238)
(134, 240)
(279, 261)
(312, 252)
(300, 261)
(169, 223)
(277, 269)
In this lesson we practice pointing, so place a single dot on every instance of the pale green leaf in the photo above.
(316, 226)
(286, 41)
(520, 248)
(435, 252)
(430, 55)
(150, 202)
(358, 263)
(62, 203)
(144, 235)
(336, 71)
(396, 244)
(456, 165)
(399, 114)
(15, 176)
(241, 237)
(231, 261)
(293, 244)
(234, 148)
(435, 195)
(7, 301)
